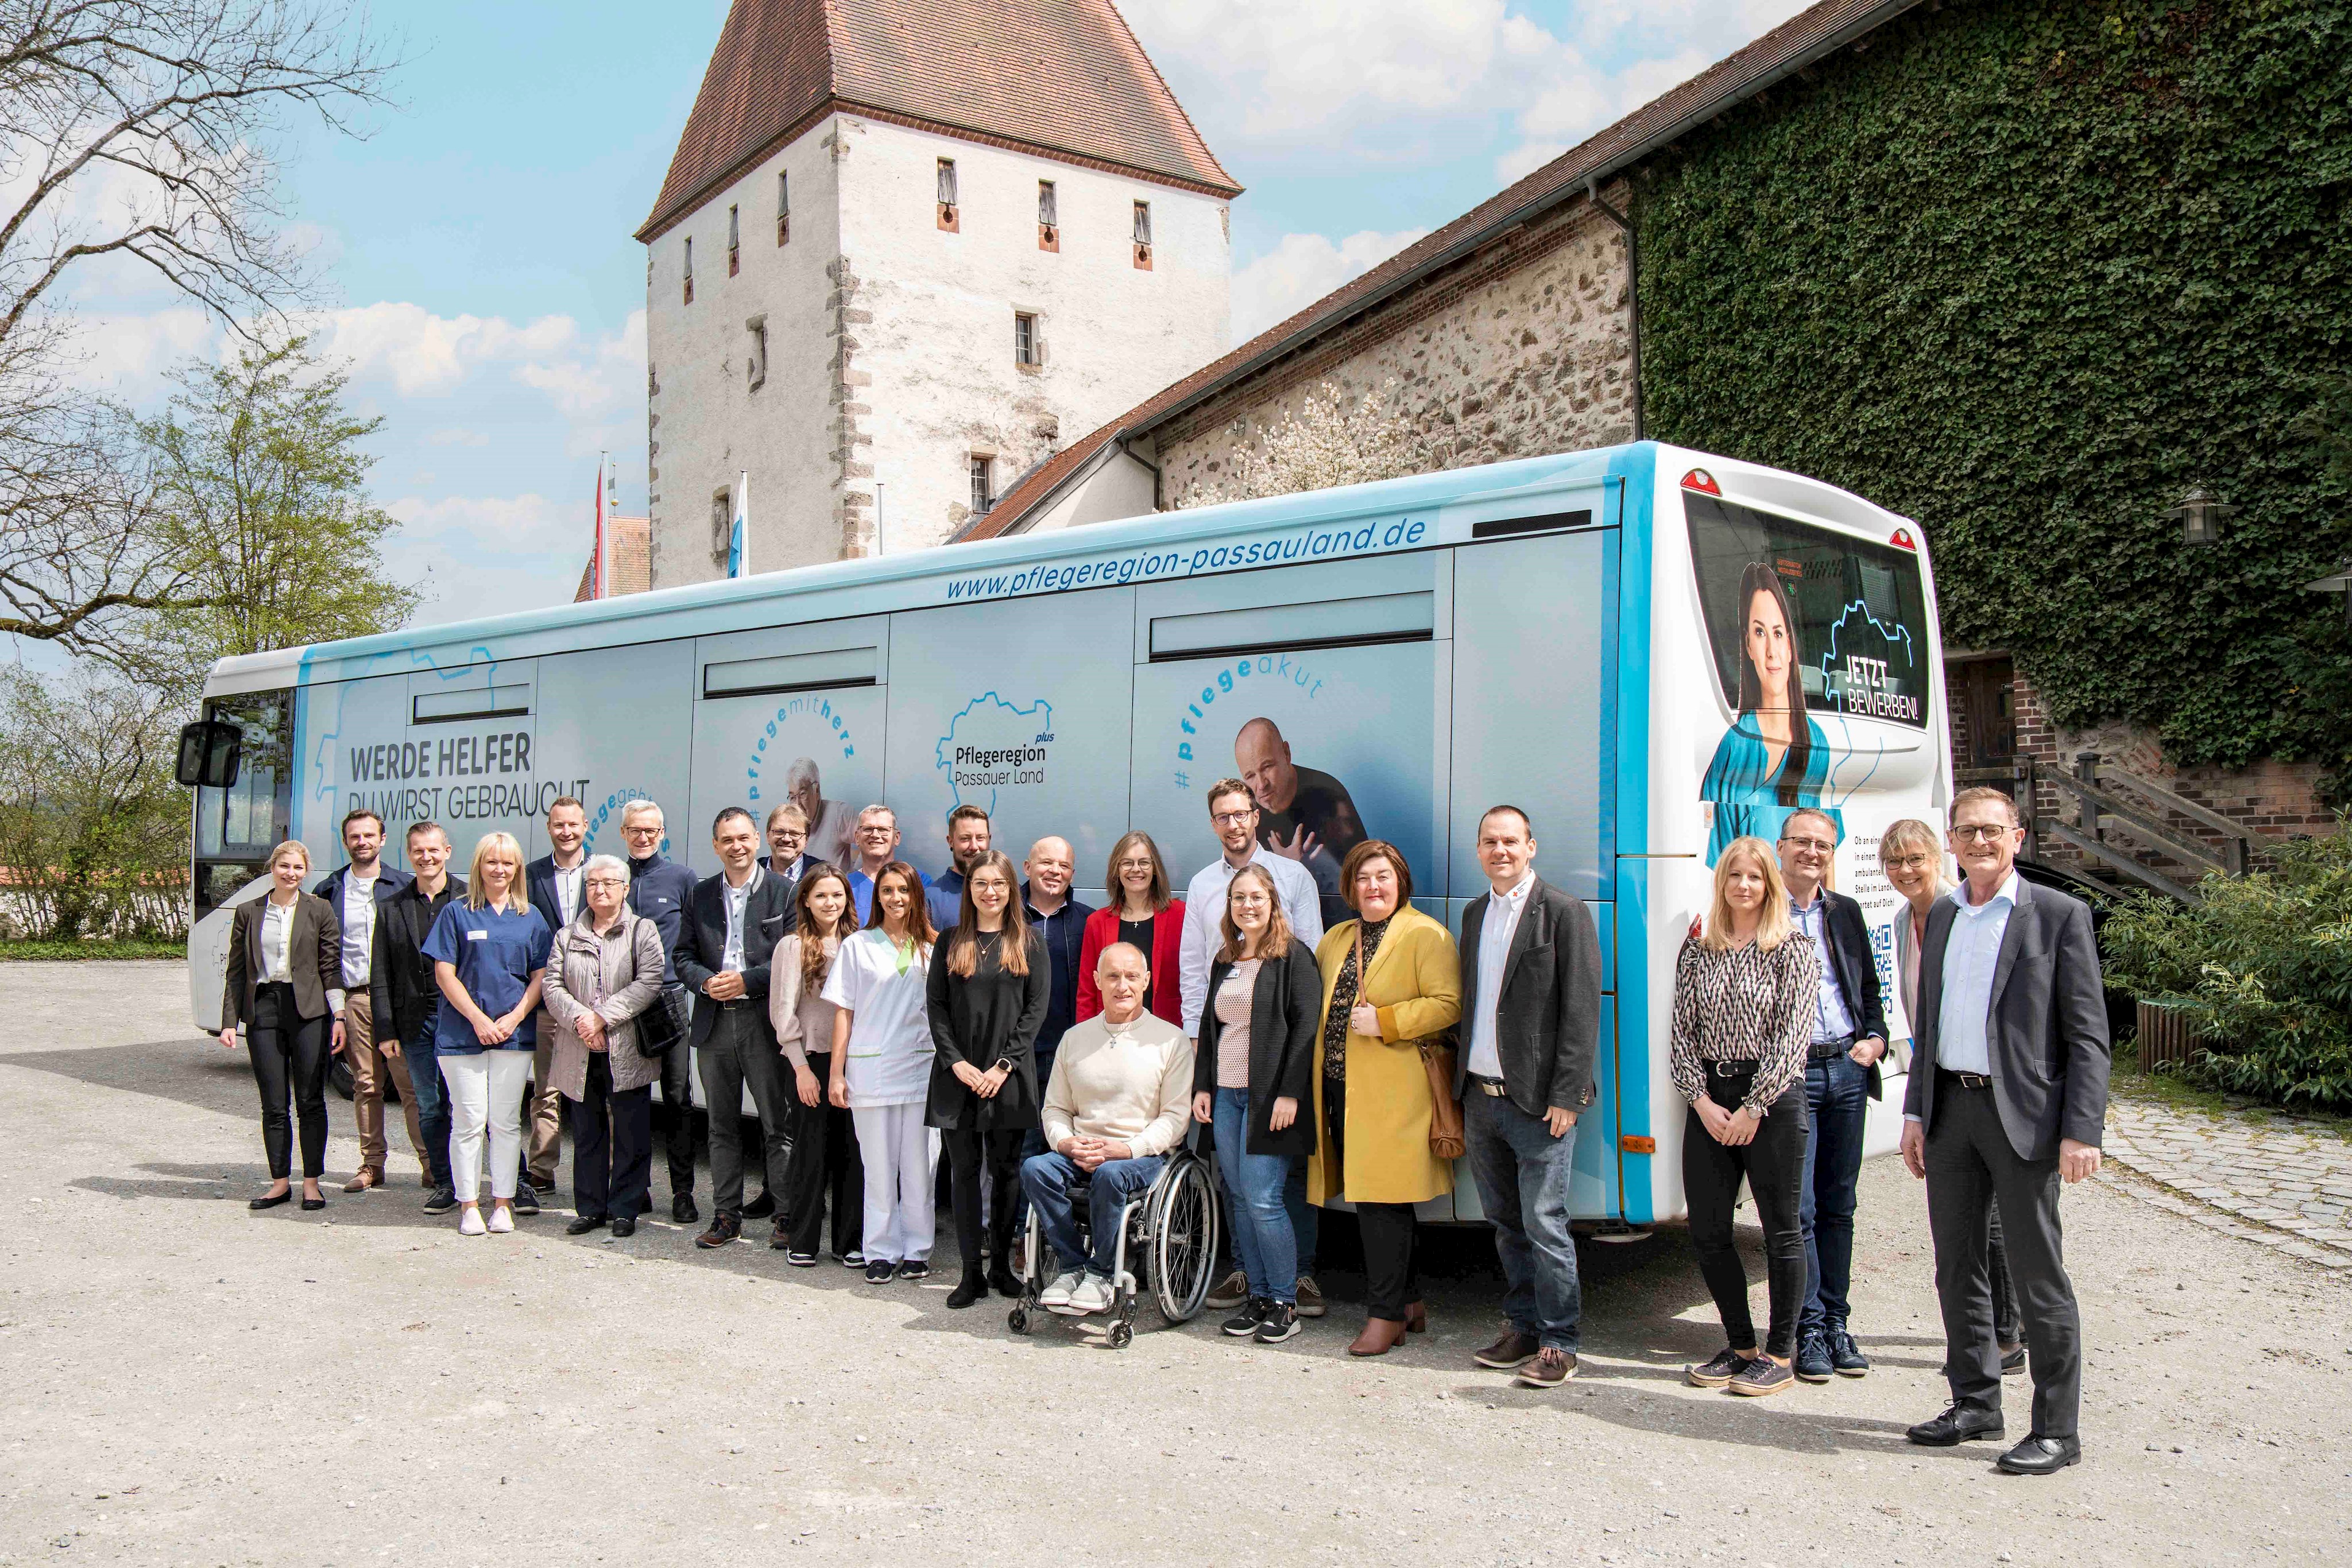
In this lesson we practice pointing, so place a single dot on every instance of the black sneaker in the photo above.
(1255, 1311)
(443, 1200)
(682, 1211)
(914, 1268)
(850, 1259)
(1281, 1322)
(801, 1259)
(879, 1273)
(526, 1200)
(1727, 1364)
(1761, 1377)
(1845, 1355)
(1813, 1356)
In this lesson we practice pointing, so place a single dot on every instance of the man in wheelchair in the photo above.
(1118, 1099)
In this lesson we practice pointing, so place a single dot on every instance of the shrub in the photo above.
(2262, 965)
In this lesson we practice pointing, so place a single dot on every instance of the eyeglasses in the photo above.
(1983, 832)
(1231, 818)
(1818, 846)
(1910, 863)
(606, 881)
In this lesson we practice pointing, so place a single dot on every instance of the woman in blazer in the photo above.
(1372, 1104)
(1144, 916)
(285, 984)
(990, 985)
(606, 971)
(824, 1139)
(1254, 1070)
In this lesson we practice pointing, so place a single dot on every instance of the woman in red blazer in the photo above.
(1142, 913)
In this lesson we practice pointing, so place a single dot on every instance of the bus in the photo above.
(1614, 640)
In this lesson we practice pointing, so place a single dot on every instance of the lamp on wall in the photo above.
(2199, 514)
(2339, 582)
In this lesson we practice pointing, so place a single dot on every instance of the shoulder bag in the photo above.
(1446, 1139)
(661, 1027)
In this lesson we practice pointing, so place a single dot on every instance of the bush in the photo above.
(2262, 965)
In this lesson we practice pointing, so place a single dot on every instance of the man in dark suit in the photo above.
(552, 883)
(359, 890)
(724, 944)
(1531, 965)
(1840, 1080)
(2007, 1098)
(788, 855)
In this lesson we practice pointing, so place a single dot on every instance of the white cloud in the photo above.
(488, 555)
(1581, 102)
(456, 437)
(1302, 269)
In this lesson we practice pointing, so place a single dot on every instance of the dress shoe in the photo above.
(584, 1224)
(1510, 1353)
(1380, 1337)
(272, 1202)
(760, 1208)
(622, 1228)
(313, 1205)
(1957, 1425)
(724, 1227)
(2041, 1456)
(2012, 1361)
(682, 1209)
(1812, 1362)
(971, 1288)
(1416, 1318)
(364, 1180)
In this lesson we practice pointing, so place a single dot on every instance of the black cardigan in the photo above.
(992, 1014)
(1285, 1012)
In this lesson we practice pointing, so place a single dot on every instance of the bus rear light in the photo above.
(1699, 479)
(1902, 540)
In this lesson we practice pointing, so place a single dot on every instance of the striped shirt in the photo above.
(1744, 1004)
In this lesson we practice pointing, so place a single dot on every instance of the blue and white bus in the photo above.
(1614, 640)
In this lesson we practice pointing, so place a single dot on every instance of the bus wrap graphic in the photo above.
(993, 745)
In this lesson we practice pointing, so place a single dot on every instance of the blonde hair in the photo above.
(1912, 831)
(298, 846)
(1772, 926)
(518, 895)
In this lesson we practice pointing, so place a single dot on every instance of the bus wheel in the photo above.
(338, 1073)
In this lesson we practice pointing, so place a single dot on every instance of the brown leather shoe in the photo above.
(1380, 1337)
(1416, 1318)
(1510, 1353)
(724, 1229)
(365, 1179)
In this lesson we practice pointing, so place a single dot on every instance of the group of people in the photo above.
(876, 1018)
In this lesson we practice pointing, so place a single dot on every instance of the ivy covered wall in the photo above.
(2024, 270)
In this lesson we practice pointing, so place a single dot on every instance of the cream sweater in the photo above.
(1132, 1084)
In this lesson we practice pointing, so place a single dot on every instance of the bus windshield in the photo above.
(237, 827)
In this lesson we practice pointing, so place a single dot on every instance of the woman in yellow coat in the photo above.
(1371, 1097)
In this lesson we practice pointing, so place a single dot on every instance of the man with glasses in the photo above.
(1842, 1076)
(659, 891)
(788, 855)
(877, 846)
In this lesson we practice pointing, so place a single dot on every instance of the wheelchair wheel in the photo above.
(1121, 1335)
(1017, 1319)
(1184, 1241)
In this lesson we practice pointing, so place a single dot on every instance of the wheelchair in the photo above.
(1167, 1245)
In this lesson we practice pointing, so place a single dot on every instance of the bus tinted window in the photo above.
(1854, 610)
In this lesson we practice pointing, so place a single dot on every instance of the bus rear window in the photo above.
(1850, 615)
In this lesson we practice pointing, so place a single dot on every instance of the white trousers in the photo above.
(485, 1094)
(902, 1160)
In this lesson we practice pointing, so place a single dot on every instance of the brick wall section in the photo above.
(1525, 349)
(629, 547)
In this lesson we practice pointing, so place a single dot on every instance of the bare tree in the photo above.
(137, 134)
(1335, 438)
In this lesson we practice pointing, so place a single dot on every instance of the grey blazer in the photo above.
(1548, 1019)
(2046, 1027)
(314, 956)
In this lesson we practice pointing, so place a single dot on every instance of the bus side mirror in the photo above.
(210, 752)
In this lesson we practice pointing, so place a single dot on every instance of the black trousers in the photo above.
(285, 1045)
(2005, 1314)
(1971, 1164)
(740, 1054)
(825, 1163)
(1391, 1278)
(969, 1151)
(611, 1144)
(677, 1093)
(1773, 1163)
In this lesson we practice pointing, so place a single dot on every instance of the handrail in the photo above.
(2196, 813)
(2157, 834)
(2121, 861)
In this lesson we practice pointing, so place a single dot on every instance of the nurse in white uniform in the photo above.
(882, 1072)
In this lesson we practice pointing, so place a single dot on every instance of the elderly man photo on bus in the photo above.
(1774, 758)
(1233, 814)
(358, 889)
(1841, 1078)
(2007, 1098)
(877, 846)
(1304, 814)
(970, 836)
(831, 824)
(659, 889)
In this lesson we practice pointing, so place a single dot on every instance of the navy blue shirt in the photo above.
(496, 952)
(1065, 932)
(945, 896)
(658, 891)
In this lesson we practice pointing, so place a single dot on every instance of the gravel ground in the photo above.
(184, 1382)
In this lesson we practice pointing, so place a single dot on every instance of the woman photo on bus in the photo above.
(1744, 992)
(1254, 1069)
(1391, 985)
(989, 984)
(1912, 856)
(605, 970)
(882, 1055)
(285, 984)
(824, 1140)
(1145, 916)
(489, 955)
(1774, 757)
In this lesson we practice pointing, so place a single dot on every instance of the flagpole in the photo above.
(602, 583)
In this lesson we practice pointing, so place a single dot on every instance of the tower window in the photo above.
(1143, 236)
(690, 269)
(734, 242)
(983, 484)
(758, 327)
(1049, 221)
(947, 196)
(1025, 338)
(783, 206)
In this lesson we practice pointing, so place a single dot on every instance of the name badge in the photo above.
(478, 936)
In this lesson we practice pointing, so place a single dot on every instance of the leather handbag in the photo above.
(662, 1026)
(1446, 1137)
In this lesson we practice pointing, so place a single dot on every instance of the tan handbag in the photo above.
(1447, 1140)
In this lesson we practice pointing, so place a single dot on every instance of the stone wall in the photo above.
(1525, 349)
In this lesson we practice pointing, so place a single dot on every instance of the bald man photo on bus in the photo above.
(1304, 814)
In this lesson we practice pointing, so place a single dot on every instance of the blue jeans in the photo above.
(1254, 1195)
(432, 1102)
(1837, 1098)
(1523, 1174)
(1046, 1180)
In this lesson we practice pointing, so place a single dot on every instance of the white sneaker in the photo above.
(502, 1220)
(1093, 1295)
(469, 1222)
(1057, 1294)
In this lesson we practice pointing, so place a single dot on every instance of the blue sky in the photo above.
(482, 283)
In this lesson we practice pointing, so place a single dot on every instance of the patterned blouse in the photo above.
(1744, 1004)
(1343, 1001)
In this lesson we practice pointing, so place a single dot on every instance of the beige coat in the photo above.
(1416, 984)
(624, 967)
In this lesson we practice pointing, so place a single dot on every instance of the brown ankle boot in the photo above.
(1380, 1336)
